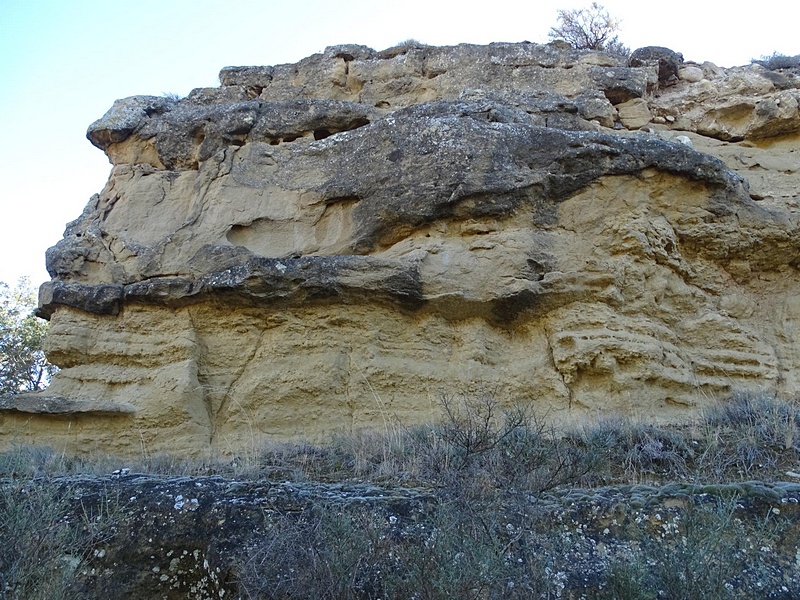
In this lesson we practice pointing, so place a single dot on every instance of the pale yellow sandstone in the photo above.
(301, 269)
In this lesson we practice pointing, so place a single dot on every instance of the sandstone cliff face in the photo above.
(334, 244)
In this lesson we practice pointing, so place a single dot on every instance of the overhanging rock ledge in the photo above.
(336, 243)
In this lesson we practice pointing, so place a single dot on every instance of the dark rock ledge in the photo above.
(39, 403)
(178, 537)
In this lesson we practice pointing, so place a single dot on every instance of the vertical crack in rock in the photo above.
(511, 188)
(552, 359)
(228, 396)
(201, 351)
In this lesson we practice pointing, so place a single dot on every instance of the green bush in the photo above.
(23, 366)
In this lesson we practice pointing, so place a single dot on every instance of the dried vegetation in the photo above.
(520, 510)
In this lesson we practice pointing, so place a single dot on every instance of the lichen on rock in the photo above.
(328, 245)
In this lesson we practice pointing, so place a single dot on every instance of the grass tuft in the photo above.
(490, 468)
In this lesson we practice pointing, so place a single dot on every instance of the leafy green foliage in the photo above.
(23, 366)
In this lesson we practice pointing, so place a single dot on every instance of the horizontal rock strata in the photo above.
(337, 243)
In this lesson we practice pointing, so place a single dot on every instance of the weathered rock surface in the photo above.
(333, 244)
(190, 537)
(668, 62)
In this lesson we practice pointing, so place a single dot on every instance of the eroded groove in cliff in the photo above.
(227, 397)
(438, 202)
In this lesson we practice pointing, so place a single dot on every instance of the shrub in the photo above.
(456, 551)
(779, 61)
(322, 553)
(705, 552)
(484, 447)
(589, 28)
(23, 366)
(403, 47)
(479, 446)
(750, 436)
(618, 449)
(711, 548)
(476, 446)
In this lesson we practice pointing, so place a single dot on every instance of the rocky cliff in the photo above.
(208, 537)
(334, 244)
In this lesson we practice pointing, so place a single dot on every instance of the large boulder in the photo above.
(668, 62)
(740, 104)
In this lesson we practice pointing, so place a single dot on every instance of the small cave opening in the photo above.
(254, 91)
(155, 111)
(322, 133)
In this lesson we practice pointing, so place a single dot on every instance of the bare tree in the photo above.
(589, 28)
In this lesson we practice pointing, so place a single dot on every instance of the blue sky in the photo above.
(63, 63)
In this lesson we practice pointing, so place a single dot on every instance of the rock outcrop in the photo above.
(336, 243)
(200, 537)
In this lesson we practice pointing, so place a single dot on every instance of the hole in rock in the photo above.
(321, 134)
(356, 124)
(254, 91)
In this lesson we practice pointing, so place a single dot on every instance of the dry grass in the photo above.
(484, 538)
(45, 540)
(744, 437)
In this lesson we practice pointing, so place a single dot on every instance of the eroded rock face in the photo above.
(335, 244)
(198, 537)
